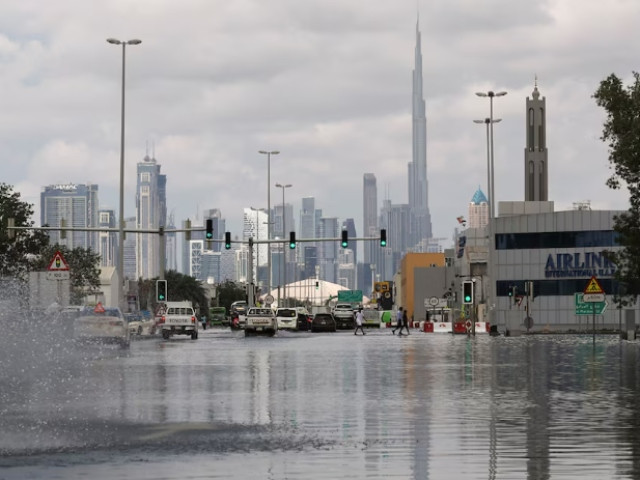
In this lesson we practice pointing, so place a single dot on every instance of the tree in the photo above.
(179, 287)
(15, 253)
(84, 269)
(622, 133)
(229, 292)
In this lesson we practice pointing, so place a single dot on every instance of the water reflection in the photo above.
(334, 405)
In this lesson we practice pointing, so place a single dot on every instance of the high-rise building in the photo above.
(395, 218)
(77, 205)
(328, 251)
(151, 213)
(255, 226)
(107, 241)
(536, 167)
(370, 213)
(307, 224)
(420, 218)
(478, 210)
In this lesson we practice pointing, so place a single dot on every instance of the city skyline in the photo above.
(333, 97)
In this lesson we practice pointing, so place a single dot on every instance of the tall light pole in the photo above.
(284, 250)
(491, 94)
(257, 210)
(492, 197)
(121, 302)
(488, 121)
(268, 154)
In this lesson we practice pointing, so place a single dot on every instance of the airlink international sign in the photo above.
(578, 264)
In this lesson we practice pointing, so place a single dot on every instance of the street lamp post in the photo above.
(489, 121)
(284, 250)
(492, 194)
(257, 210)
(268, 154)
(491, 94)
(121, 302)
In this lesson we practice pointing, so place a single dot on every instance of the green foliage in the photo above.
(179, 287)
(622, 133)
(16, 253)
(84, 269)
(229, 292)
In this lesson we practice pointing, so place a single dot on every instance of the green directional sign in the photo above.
(586, 308)
(350, 296)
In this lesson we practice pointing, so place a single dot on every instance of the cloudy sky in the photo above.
(325, 82)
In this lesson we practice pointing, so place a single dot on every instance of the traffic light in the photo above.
(292, 240)
(383, 237)
(209, 230)
(345, 239)
(317, 285)
(187, 230)
(227, 240)
(161, 290)
(467, 292)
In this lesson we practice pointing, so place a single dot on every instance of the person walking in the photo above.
(405, 322)
(359, 319)
(398, 321)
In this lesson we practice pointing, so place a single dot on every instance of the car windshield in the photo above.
(105, 312)
(286, 312)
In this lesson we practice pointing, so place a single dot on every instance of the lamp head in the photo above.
(114, 41)
(135, 41)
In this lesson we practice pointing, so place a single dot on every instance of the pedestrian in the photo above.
(359, 322)
(405, 322)
(398, 321)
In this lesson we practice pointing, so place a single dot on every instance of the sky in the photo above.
(325, 82)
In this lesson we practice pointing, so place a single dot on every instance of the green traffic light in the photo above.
(467, 298)
(383, 243)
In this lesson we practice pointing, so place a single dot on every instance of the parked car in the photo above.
(323, 322)
(101, 324)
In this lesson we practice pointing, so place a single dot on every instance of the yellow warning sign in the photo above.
(593, 287)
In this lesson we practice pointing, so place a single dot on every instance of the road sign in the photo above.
(350, 296)
(593, 286)
(58, 275)
(58, 263)
(593, 297)
(584, 308)
(269, 299)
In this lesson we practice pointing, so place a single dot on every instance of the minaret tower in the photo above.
(536, 180)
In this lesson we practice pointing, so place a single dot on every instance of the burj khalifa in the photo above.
(420, 218)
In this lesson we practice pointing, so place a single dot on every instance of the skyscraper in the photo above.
(478, 210)
(77, 205)
(535, 154)
(420, 218)
(151, 213)
(370, 213)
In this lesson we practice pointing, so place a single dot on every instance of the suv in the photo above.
(344, 315)
(287, 318)
(179, 319)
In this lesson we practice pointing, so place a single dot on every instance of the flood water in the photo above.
(323, 406)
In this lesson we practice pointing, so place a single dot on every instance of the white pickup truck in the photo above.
(260, 321)
(178, 318)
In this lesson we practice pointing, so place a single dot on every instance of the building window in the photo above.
(570, 239)
(145, 177)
